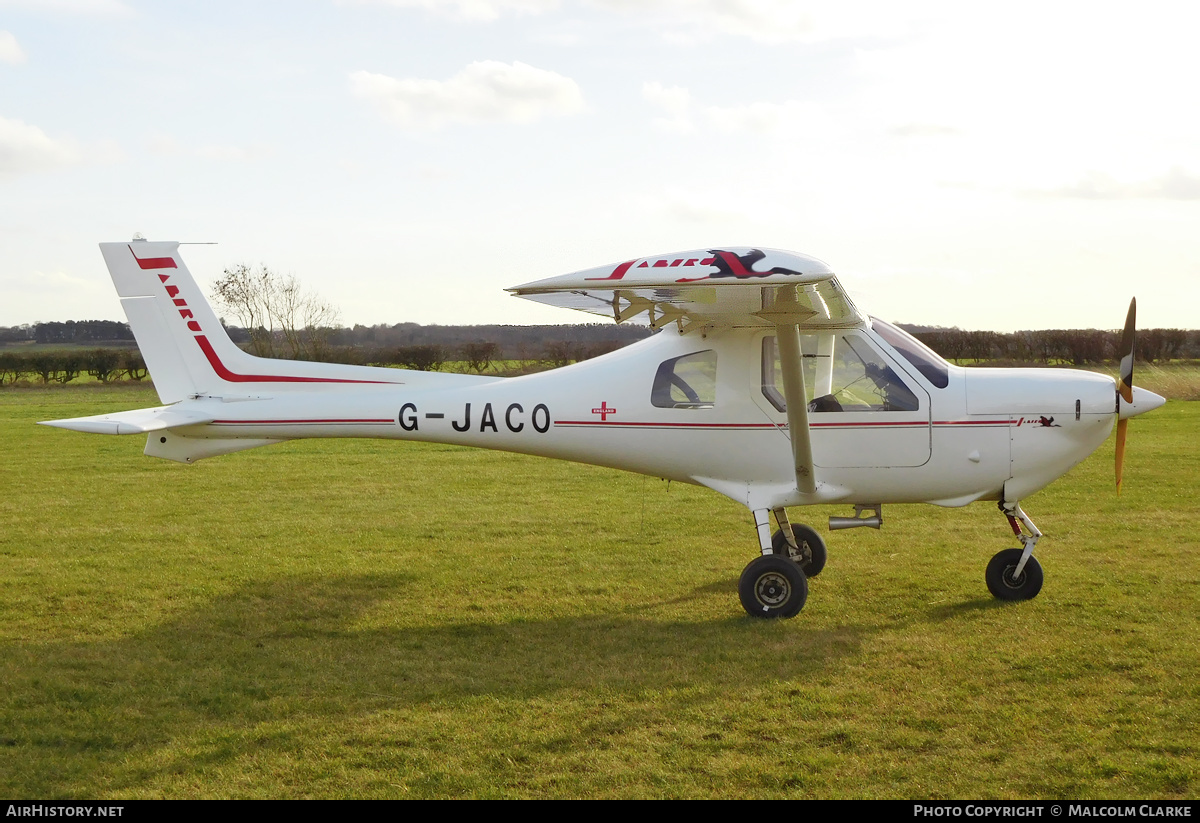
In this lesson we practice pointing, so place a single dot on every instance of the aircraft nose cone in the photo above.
(1143, 401)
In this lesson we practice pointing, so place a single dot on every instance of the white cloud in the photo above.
(1050, 107)
(925, 130)
(163, 144)
(769, 21)
(87, 7)
(758, 19)
(25, 148)
(675, 101)
(237, 154)
(472, 10)
(435, 173)
(692, 21)
(1176, 184)
(487, 91)
(789, 117)
(10, 49)
(167, 146)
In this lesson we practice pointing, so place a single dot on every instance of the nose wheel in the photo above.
(1015, 574)
(1006, 583)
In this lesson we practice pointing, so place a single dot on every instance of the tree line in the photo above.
(64, 365)
(1076, 347)
(72, 332)
(279, 318)
(533, 348)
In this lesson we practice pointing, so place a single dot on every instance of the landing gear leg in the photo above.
(1015, 574)
(762, 526)
(799, 542)
(772, 585)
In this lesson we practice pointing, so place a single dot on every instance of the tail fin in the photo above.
(168, 314)
(183, 343)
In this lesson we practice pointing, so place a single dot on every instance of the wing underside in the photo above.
(736, 287)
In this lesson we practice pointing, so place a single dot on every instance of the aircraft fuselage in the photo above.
(961, 442)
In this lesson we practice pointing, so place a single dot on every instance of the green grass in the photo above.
(372, 619)
(1175, 381)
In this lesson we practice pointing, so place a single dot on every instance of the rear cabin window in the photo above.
(841, 374)
(687, 382)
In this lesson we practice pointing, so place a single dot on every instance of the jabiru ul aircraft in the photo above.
(764, 383)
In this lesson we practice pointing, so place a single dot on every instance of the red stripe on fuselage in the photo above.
(630, 424)
(848, 425)
(369, 422)
(233, 377)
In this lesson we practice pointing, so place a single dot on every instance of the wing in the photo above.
(728, 287)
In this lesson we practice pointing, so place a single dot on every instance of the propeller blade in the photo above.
(1125, 383)
(1127, 345)
(1121, 425)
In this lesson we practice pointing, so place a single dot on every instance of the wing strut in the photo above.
(792, 363)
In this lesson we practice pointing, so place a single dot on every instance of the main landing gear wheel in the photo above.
(773, 586)
(816, 548)
(1003, 584)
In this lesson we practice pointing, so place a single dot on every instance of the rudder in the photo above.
(167, 313)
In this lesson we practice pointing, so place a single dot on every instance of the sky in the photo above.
(981, 165)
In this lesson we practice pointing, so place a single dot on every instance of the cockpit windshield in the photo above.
(931, 366)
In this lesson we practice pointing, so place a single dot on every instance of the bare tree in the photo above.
(282, 319)
(478, 355)
(420, 358)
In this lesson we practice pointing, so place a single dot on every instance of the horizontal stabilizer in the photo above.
(138, 421)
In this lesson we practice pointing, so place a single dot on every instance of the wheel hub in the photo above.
(1012, 581)
(772, 589)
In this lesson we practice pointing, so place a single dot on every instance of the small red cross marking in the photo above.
(604, 411)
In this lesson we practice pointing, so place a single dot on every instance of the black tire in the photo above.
(1002, 584)
(773, 586)
(816, 546)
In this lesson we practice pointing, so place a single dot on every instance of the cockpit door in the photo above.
(864, 411)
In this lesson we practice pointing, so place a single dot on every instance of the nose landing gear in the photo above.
(1015, 574)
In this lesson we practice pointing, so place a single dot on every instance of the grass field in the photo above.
(371, 619)
(1174, 381)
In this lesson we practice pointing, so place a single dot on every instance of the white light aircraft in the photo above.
(764, 383)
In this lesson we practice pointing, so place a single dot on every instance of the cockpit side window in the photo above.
(841, 374)
(932, 367)
(687, 382)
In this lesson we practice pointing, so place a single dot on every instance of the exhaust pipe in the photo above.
(858, 520)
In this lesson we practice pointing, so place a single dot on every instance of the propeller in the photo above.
(1125, 384)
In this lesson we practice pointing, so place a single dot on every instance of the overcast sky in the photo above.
(988, 166)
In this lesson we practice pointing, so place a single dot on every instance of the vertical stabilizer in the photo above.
(169, 316)
(183, 343)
